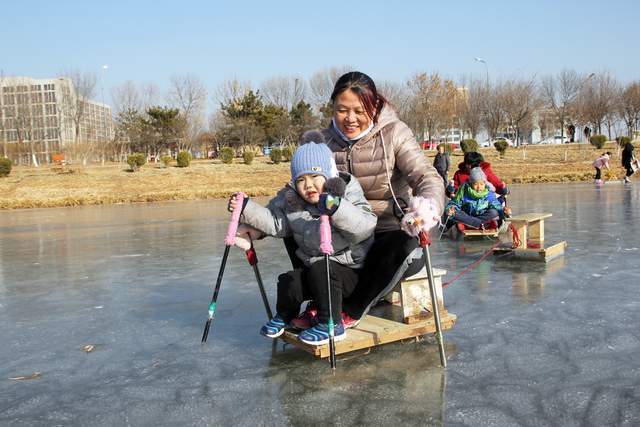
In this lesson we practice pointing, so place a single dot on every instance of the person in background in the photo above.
(600, 163)
(441, 162)
(627, 161)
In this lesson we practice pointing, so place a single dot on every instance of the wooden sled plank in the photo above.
(373, 331)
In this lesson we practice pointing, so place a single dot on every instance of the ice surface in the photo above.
(535, 344)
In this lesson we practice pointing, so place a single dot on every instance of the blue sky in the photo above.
(149, 41)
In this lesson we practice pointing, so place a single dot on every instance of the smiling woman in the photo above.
(370, 142)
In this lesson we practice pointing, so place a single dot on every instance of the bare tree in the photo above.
(149, 96)
(629, 107)
(24, 115)
(469, 106)
(126, 97)
(433, 102)
(519, 103)
(189, 94)
(230, 91)
(84, 86)
(322, 82)
(596, 99)
(560, 93)
(283, 91)
(3, 137)
(492, 112)
(396, 94)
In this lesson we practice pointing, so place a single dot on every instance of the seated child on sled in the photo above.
(473, 160)
(474, 205)
(315, 189)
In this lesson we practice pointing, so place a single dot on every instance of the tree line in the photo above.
(280, 109)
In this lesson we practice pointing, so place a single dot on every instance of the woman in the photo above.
(371, 143)
(627, 159)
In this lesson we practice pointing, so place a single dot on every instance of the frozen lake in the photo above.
(535, 344)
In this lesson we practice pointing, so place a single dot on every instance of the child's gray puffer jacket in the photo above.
(287, 214)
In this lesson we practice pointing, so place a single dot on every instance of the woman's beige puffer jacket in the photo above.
(410, 172)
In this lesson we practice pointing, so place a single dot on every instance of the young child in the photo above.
(473, 160)
(441, 163)
(599, 163)
(474, 205)
(315, 189)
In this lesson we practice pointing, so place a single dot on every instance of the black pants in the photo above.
(310, 283)
(598, 173)
(386, 255)
(629, 170)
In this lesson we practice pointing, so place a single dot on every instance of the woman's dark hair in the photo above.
(364, 87)
(473, 159)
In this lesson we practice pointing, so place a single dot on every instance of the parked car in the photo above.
(555, 140)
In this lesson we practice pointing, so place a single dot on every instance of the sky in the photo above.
(150, 41)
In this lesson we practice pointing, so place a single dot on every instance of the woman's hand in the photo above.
(507, 211)
(423, 215)
(451, 210)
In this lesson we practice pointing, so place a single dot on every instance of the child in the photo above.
(441, 163)
(474, 205)
(315, 189)
(472, 160)
(599, 163)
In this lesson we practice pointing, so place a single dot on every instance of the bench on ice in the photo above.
(528, 239)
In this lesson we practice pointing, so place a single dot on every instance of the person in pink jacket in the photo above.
(600, 163)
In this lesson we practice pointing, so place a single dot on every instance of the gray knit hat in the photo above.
(477, 175)
(312, 158)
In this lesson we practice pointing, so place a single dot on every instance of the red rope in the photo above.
(517, 241)
(515, 237)
(471, 266)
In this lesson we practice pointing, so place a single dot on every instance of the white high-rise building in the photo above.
(37, 118)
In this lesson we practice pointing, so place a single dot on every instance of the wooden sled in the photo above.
(530, 244)
(404, 318)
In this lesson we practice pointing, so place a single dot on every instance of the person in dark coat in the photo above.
(441, 163)
(627, 159)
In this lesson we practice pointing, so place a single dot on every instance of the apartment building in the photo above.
(37, 118)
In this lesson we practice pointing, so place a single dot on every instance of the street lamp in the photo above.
(486, 68)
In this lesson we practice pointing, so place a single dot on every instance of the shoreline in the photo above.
(29, 187)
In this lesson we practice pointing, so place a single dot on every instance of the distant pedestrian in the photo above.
(441, 162)
(628, 161)
(587, 133)
(600, 163)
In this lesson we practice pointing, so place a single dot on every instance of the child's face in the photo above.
(478, 185)
(309, 187)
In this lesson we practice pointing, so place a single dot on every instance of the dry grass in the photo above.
(28, 187)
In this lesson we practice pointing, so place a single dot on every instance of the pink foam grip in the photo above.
(230, 238)
(325, 235)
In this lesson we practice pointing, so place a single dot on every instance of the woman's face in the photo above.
(349, 114)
